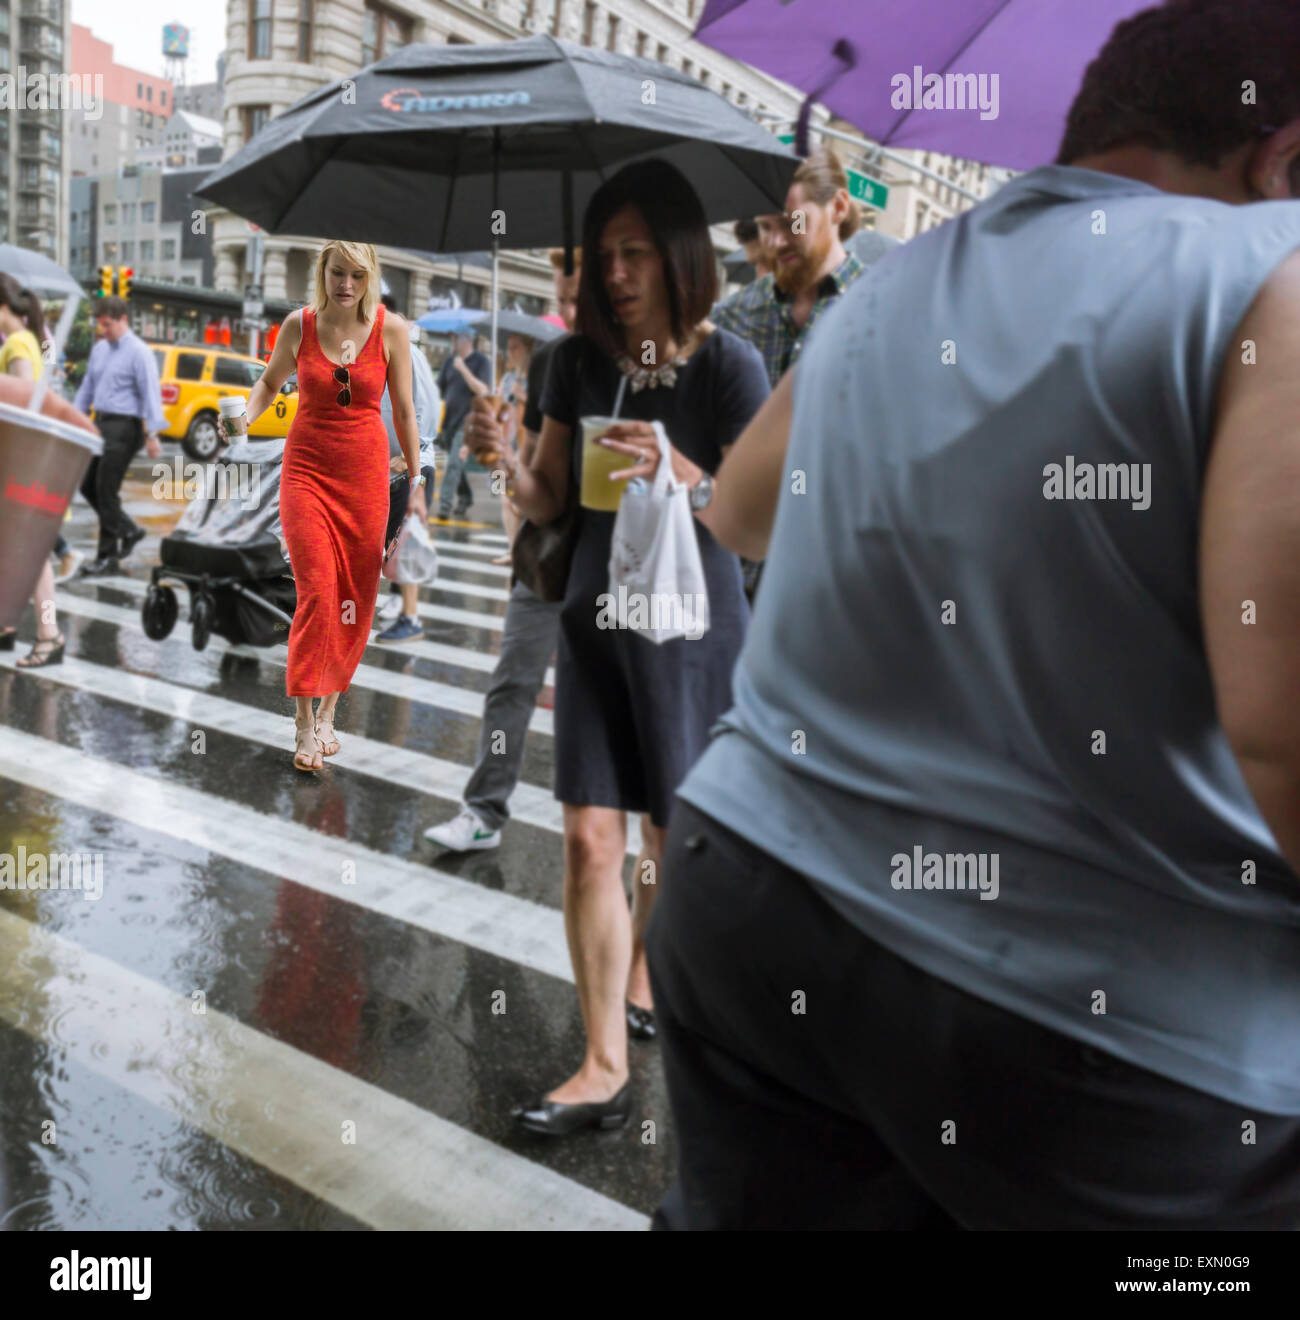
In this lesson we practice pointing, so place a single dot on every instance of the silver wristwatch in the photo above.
(702, 494)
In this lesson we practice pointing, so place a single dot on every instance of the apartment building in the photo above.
(136, 108)
(34, 130)
(203, 98)
(187, 139)
(918, 202)
(142, 218)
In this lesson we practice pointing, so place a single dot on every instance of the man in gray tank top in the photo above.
(981, 905)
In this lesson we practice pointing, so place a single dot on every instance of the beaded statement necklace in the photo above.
(641, 378)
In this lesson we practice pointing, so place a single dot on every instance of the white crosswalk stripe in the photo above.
(531, 804)
(455, 587)
(417, 893)
(408, 1168)
(466, 548)
(455, 565)
(262, 1098)
(368, 675)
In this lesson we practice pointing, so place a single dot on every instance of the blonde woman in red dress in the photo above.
(334, 481)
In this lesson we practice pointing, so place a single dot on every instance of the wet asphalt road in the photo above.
(287, 1009)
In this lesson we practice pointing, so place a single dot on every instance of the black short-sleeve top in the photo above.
(720, 387)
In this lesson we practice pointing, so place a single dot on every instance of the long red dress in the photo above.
(334, 510)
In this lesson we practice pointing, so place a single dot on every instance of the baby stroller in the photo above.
(229, 551)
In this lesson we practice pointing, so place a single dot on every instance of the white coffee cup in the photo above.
(234, 412)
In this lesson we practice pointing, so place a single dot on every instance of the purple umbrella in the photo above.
(987, 80)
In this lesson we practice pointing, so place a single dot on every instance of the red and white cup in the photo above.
(42, 463)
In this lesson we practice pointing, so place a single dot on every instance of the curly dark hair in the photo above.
(1174, 78)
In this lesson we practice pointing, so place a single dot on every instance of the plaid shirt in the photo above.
(760, 312)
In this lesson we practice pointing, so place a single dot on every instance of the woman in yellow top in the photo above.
(23, 325)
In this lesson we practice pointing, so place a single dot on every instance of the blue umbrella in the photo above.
(452, 322)
(465, 319)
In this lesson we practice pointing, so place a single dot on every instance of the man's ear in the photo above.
(840, 205)
(1273, 168)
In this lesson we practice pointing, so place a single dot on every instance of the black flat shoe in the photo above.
(641, 1022)
(8, 638)
(551, 1119)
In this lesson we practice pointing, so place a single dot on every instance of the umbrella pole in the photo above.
(496, 279)
(496, 249)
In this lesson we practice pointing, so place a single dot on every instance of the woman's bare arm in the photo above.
(281, 366)
(749, 480)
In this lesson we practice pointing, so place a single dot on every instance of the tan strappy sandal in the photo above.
(329, 744)
(307, 747)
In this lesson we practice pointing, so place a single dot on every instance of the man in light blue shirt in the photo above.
(121, 387)
(982, 907)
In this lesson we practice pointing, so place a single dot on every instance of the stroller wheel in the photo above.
(159, 612)
(200, 619)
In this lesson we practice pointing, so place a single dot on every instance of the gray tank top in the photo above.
(974, 706)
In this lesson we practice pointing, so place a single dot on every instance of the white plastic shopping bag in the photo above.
(414, 560)
(656, 576)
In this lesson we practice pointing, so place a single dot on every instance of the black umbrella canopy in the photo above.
(422, 148)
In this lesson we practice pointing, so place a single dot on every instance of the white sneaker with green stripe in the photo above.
(463, 834)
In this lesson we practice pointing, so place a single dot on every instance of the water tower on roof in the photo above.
(176, 51)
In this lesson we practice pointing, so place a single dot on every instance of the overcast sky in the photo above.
(134, 29)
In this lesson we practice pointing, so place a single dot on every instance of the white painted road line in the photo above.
(456, 586)
(417, 893)
(368, 675)
(531, 804)
(467, 548)
(470, 566)
(278, 1106)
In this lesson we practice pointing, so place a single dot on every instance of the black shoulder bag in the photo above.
(542, 555)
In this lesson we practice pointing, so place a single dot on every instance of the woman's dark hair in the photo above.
(680, 233)
(24, 304)
(1195, 77)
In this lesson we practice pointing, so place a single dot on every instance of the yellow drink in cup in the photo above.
(597, 490)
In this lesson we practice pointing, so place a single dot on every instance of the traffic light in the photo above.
(106, 281)
(124, 277)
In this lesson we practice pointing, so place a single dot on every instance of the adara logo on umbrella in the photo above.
(411, 98)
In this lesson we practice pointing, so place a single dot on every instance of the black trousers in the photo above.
(123, 437)
(894, 1100)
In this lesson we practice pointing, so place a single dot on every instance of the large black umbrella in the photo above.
(461, 148)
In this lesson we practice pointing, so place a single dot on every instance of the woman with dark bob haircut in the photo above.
(630, 716)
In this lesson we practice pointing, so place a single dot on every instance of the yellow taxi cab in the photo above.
(195, 376)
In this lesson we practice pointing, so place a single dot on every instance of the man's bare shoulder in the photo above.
(1266, 346)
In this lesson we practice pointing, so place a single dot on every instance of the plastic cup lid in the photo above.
(51, 425)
